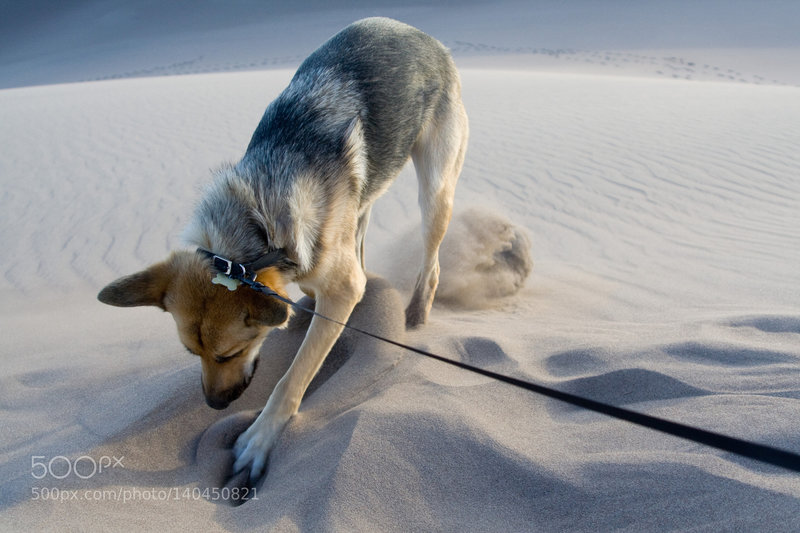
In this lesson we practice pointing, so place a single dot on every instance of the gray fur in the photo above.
(378, 79)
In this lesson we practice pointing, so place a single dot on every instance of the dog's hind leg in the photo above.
(438, 156)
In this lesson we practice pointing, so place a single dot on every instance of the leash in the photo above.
(743, 448)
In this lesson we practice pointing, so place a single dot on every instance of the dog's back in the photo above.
(391, 76)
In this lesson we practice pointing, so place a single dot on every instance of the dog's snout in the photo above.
(217, 403)
(214, 399)
(220, 399)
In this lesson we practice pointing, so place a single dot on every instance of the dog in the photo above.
(295, 209)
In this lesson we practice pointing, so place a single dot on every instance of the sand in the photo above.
(654, 229)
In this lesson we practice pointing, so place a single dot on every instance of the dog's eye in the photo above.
(226, 358)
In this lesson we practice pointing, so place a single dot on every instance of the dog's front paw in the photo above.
(253, 446)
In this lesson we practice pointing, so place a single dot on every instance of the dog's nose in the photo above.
(217, 403)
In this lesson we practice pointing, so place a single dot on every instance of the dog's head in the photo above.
(225, 328)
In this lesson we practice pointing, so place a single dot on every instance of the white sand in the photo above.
(663, 217)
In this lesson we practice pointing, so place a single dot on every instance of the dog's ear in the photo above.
(143, 288)
(265, 310)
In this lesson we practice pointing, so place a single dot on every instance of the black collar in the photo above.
(249, 270)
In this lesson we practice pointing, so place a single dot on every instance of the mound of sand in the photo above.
(351, 373)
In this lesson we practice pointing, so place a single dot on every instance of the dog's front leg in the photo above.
(253, 446)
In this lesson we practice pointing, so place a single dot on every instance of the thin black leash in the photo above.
(759, 452)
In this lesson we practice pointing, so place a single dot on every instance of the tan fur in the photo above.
(272, 278)
(213, 322)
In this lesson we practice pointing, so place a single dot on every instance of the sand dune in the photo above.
(748, 41)
(661, 220)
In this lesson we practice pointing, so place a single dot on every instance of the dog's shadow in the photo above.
(380, 312)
